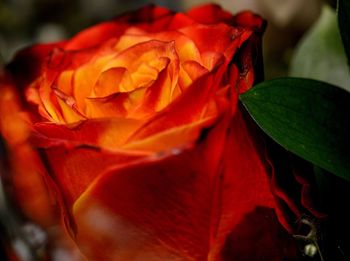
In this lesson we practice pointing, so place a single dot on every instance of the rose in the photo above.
(141, 139)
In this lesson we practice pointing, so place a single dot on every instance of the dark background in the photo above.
(24, 22)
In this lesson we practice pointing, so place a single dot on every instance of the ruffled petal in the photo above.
(176, 114)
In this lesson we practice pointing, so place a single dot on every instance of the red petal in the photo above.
(96, 35)
(74, 169)
(147, 14)
(180, 20)
(267, 241)
(244, 180)
(150, 18)
(291, 183)
(209, 14)
(27, 64)
(165, 198)
(25, 170)
(249, 20)
(224, 39)
(183, 204)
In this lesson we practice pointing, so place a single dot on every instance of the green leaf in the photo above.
(344, 22)
(320, 54)
(307, 117)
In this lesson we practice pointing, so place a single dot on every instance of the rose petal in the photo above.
(150, 18)
(223, 38)
(160, 93)
(130, 59)
(106, 133)
(96, 35)
(141, 102)
(176, 113)
(115, 105)
(25, 171)
(244, 179)
(209, 14)
(68, 109)
(249, 57)
(65, 82)
(27, 64)
(161, 198)
(173, 139)
(270, 240)
(249, 20)
(184, 203)
(194, 70)
(74, 169)
(147, 14)
(143, 52)
(85, 78)
(180, 20)
(109, 82)
(185, 47)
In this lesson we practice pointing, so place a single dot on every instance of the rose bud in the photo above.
(133, 127)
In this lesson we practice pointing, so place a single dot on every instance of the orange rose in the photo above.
(140, 137)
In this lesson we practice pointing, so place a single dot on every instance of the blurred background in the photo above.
(24, 22)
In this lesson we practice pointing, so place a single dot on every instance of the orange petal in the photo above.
(106, 133)
(68, 108)
(131, 37)
(147, 72)
(41, 94)
(194, 70)
(109, 82)
(211, 59)
(159, 94)
(173, 139)
(185, 47)
(115, 105)
(182, 110)
(144, 52)
(13, 126)
(85, 78)
(65, 82)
